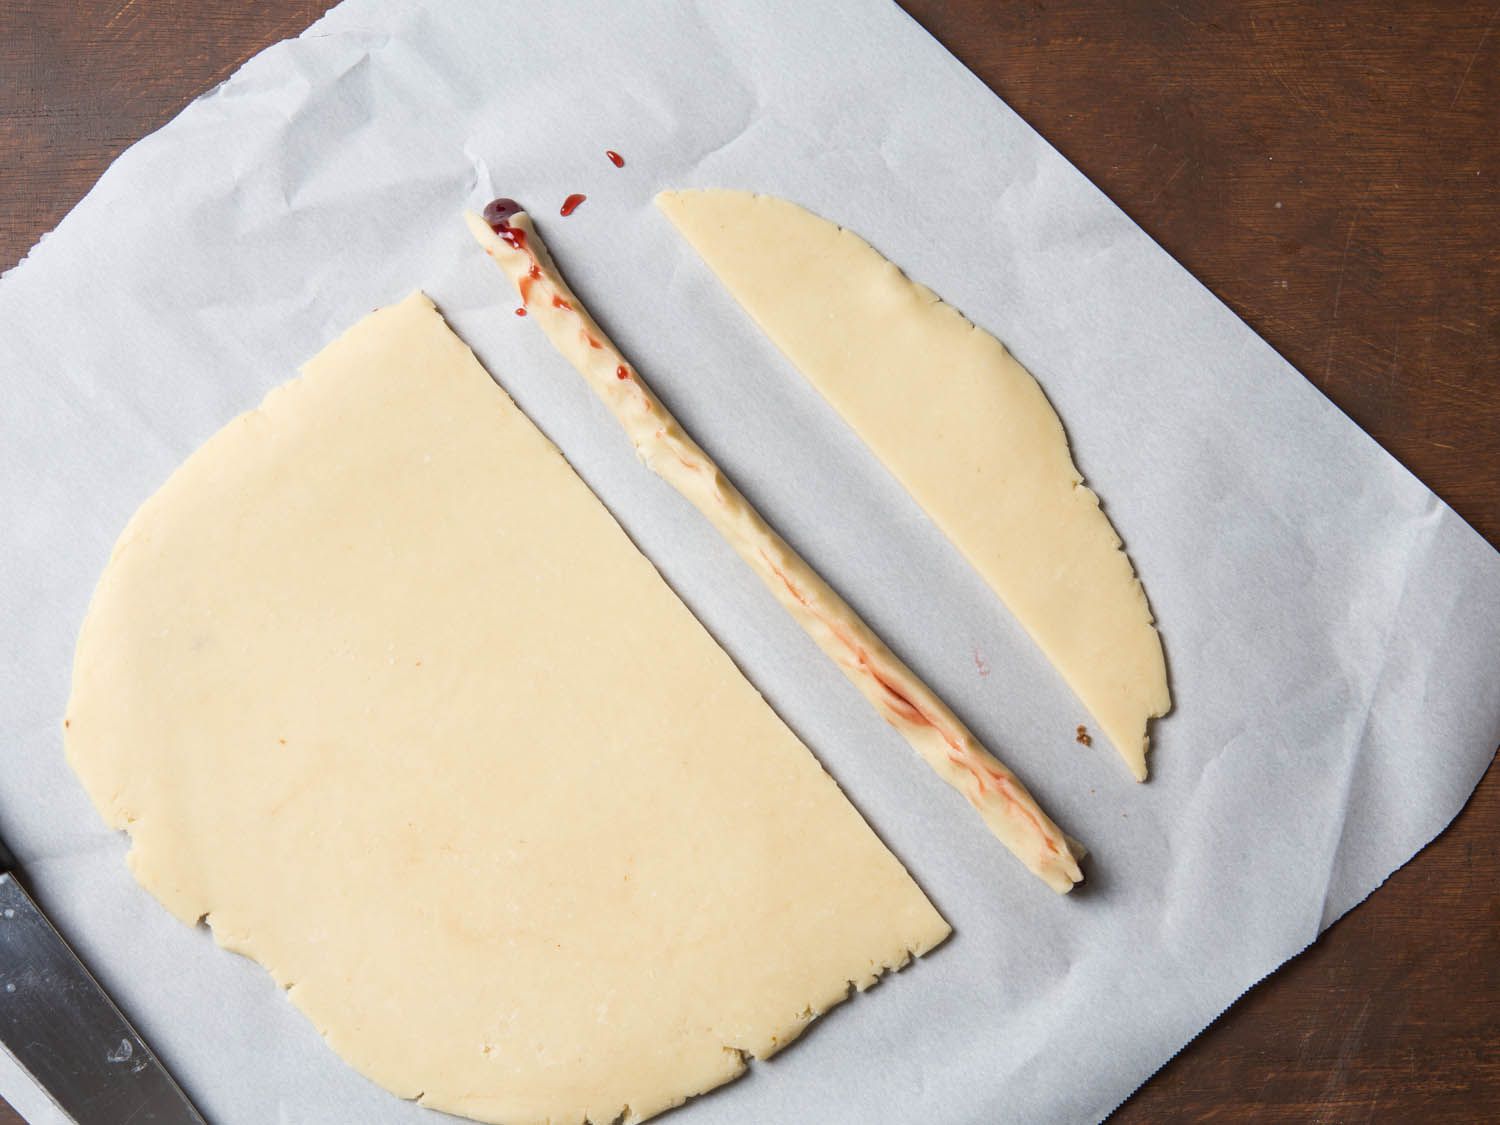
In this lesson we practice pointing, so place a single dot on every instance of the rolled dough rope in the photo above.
(508, 236)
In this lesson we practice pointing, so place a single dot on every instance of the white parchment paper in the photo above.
(1332, 629)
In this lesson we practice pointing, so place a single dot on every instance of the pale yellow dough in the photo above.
(378, 685)
(962, 425)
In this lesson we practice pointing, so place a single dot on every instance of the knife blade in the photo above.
(65, 1031)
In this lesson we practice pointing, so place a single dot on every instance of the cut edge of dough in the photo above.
(742, 1059)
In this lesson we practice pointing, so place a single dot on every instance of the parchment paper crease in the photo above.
(1332, 629)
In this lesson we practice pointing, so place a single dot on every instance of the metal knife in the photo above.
(66, 1032)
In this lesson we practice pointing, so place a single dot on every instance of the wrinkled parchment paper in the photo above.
(1332, 628)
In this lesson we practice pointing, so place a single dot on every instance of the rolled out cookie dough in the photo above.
(378, 686)
(962, 425)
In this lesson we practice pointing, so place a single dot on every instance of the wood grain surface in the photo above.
(1332, 172)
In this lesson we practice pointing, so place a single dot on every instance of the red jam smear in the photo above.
(571, 204)
(533, 275)
(615, 158)
(498, 213)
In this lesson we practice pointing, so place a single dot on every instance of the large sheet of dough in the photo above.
(962, 425)
(378, 686)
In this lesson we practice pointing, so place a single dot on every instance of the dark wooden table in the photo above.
(1332, 171)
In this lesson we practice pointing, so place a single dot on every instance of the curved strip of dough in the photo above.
(378, 685)
(903, 700)
(962, 425)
